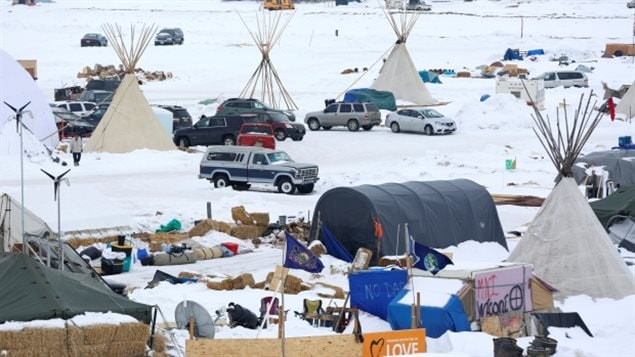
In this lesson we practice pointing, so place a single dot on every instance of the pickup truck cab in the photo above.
(240, 166)
(253, 134)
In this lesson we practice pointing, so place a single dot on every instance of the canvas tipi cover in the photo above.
(626, 106)
(17, 88)
(11, 223)
(129, 123)
(570, 250)
(399, 76)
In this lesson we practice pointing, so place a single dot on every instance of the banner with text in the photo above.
(394, 343)
(503, 290)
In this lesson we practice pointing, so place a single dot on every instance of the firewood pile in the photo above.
(99, 71)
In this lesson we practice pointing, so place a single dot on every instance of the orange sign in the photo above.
(394, 343)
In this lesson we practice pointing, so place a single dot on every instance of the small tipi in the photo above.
(626, 107)
(399, 74)
(129, 123)
(565, 242)
(265, 78)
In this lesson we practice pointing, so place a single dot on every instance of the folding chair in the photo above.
(273, 310)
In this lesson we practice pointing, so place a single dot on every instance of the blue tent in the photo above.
(441, 311)
(383, 99)
(512, 55)
(429, 77)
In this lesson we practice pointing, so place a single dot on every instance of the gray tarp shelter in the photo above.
(439, 214)
(619, 163)
(32, 291)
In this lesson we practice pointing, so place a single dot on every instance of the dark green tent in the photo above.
(32, 291)
(620, 202)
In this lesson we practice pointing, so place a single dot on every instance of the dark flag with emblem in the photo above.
(297, 256)
(428, 259)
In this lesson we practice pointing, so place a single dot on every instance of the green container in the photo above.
(509, 164)
(127, 263)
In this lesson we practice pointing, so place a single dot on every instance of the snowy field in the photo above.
(145, 189)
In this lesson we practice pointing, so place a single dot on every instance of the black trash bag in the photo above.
(506, 347)
(241, 316)
(91, 252)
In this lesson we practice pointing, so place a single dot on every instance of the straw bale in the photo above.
(155, 246)
(260, 285)
(318, 248)
(463, 74)
(132, 332)
(240, 215)
(97, 334)
(247, 232)
(124, 349)
(158, 343)
(225, 284)
(261, 218)
(292, 284)
(243, 280)
(40, 351)
(338, 293)
(162, 237)
(160, 354)
(201, 228)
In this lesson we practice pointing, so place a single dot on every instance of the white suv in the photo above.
(79, 108)
(564, 78)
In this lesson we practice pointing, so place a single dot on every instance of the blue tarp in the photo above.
(383, 99)
(334, 247)
(535, 52)
(436, 320)
(372, 290)
(429, 77)
(512, 55)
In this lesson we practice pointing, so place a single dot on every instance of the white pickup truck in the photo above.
(240, 166)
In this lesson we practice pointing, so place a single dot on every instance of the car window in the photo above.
(89, 106)
(279, 117)
(331, 108)
(259, 159)
(100, 97)
(221, 156)
(62, 106)
(345, 108)
(216, 122)
(243, 105)
(203, 122)
(402, 112)
(358, 108)
(279, 157)
(372, 107)
(75, 107)
(550, 77)
(258, 105)
(251, 119)
(431, 113)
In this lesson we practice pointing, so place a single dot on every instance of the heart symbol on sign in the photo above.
(376, 346)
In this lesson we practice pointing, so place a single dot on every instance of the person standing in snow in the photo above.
(77, 148)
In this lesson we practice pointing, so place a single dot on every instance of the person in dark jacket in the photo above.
(240, 316)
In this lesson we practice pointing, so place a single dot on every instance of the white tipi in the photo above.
(129, 123)
(565, 242)
(399, 74)
(626, 107)
(265, 78)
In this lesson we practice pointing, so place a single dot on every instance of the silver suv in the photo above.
(351, 115)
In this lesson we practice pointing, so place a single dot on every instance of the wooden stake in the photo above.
(419, 323)
(280, 320)
(192, 327)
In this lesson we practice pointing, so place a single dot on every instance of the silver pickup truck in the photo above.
(239, 167)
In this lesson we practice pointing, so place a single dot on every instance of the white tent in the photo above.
(570, 250)
(626, 107)
(399, 74)
(11, 223)
(129, 123)
(17, 88)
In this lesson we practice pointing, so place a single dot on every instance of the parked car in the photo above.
(420, 120)
(252, 134)
(351, 115)
(96, 96)
(169, 36)
(564, 78)
(93, 39)
(181, 117)
(216, 130)
(248, 105)
(94, 117)
(282, 127)
(417, 5)
(240, 166)
(631, 4)
(70, 124)
(110, 85)
(79, 108)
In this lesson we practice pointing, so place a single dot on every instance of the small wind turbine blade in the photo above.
(24, 106)
(12, 107)
(56, 188)
(62, 175)
(49, 175)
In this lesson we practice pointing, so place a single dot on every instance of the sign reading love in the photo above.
(394, 343)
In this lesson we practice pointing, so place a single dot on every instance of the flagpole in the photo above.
(282, 282)
(413, 322)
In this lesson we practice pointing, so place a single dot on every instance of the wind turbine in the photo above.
(57, 197)
(18, 128)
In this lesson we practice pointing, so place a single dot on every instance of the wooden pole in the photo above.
(280, 321)
(192, 327)
(419, 323)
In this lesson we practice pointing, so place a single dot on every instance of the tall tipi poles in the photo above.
(399, 74)
(265, 80)
(565, 242)
(129, 123)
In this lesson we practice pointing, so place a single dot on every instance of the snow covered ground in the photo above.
(218, 58)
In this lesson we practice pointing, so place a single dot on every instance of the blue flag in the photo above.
(297, 256)
(334, 247)
(426, 258)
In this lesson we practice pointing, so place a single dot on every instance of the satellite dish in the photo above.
(187, 311)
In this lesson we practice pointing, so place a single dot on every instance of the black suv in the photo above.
(172, 36)
(110, 85)
(248, 105)
(216, 130)
(180, 115)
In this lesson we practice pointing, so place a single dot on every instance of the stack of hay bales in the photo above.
(34, 342)
(128, 339)
(292, 284)
(110, 71)
(248, 226)
(239, 282)
(206, 225)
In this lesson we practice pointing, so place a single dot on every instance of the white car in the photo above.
(79, 108)
(421, 120)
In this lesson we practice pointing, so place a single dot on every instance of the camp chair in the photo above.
(273, 310)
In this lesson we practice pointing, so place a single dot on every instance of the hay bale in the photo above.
(463, 74)
(292, 284)
(247, 232)
(132, 332)
(201, 228)
(243, 280)
(338, 293)
(240, 215)
(220, 285)
(261, 218)
(347, 71)
(97, 334)
(260, 285)
(155, 246)
(158, 343)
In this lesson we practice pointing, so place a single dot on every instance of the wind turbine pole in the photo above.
(59, 230)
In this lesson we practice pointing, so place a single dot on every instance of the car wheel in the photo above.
(221, 180)
(280, 135)
(241, 186)
(352, 125)
(394, 127)
(308, 188)
(298, 138)
(428, 130)
(367, 127)
(314, 124)
(229, 140)
(184, 142)
(326, 127)
(286, 186)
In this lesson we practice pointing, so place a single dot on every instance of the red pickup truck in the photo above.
(255, 134)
